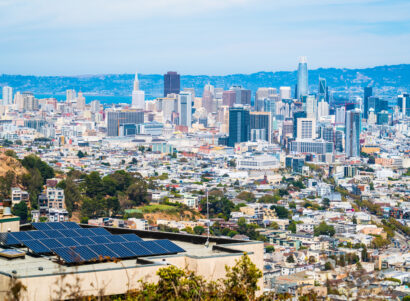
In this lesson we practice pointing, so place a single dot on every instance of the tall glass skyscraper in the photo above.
(239, 125)
(302, 87)
(172, 83)
(353, 129)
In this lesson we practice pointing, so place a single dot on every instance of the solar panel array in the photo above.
(74, 244)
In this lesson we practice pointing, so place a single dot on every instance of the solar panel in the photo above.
(85, 232)
(85, 253)
(21, 236)
(100, 231)
(36, 246)
(41, 226)
(56, 225)
(115, 238)
(104, 251)
(8, 239)
(100, 239)
(136, 248)
(67, 254)
(130, 237)
(36, 234)
(84, 241)
(121, 250)
(69, 233)
(169, 245)
(154, 248)
(52, 233)
(67, 242)
(51, 243)
(71, 225)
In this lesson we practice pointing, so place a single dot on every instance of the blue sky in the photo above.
(71, 37)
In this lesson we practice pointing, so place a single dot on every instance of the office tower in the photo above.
(403, 102)
(185, 109)
(122, 123)
(306, 128)
(383, 118)
(287, 129)
(30, 103)
(368, 92)
(138, 96)
(340, 115)
(208, 98)
(19, 101)
(190, 90)
(228, 98)
(352, 136)
(261, 126)
(322, 109)
(243, 96)
(70, 95)
(239, 125)
(285, 93)
(339, 141)
(80, 101)
(296, 116)
(95, 106)
(381, 105)
(311, 107)
(322, 91)
(371, 118)
(7, 95)
(172, 83)
(302, 85)
(328, 133)
(168, 107)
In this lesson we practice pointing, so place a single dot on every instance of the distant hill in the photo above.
(389, 80)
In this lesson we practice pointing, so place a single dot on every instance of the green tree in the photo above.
(292, 226)
(80, 154)
(324, 229)
(137, 192)
(290, 259)
(281, 211)
(269, 249)
(246, 196)
(199, 230)
(364, 254)
(21, 210)
(94, 185)
(328, 266)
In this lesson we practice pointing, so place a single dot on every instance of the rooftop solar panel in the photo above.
(85, 253)
(56, 225)
(71, 225)
(115, 238)
(85, 232)
(35, 234)
(70, 233)
(84, 241)
(100, 239)
(121, 250)
(104, 251)
(67, 241)
(169, 245)
(51, 243)
(36, 246)
(41, 226)
(154, 248)
(100, 231)
(130, 237)
(8, 239)
(136, 248)
(67, 254)
(52, 233)
(21, 236)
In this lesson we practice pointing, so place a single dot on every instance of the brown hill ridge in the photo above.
(10, 164)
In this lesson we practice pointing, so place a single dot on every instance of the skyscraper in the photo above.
(7, 95)
(208, 98)
(80, 101)
(340, 117)
(285, 93)
(322, 91)
(228, 98)
(403, 102)
(302, 86)
(125, 120)
(311, 106)
(138, 96)
(353, 129)
(261, 122)
(306, 128)
(243, 96)
(172, 83)
(185, 108)
(71, 95)
(239, 125)
(368, 92)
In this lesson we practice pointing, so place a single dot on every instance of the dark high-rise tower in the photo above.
(239, 125)
(172, 83)
(368, 92)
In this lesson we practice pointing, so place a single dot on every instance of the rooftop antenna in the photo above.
(207, 214)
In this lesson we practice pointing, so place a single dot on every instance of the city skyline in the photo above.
(155, 36)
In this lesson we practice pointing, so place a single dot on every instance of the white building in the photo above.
(138, 96)
(7, 95)
(306, 128)
(258, 162)
(185, 108)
